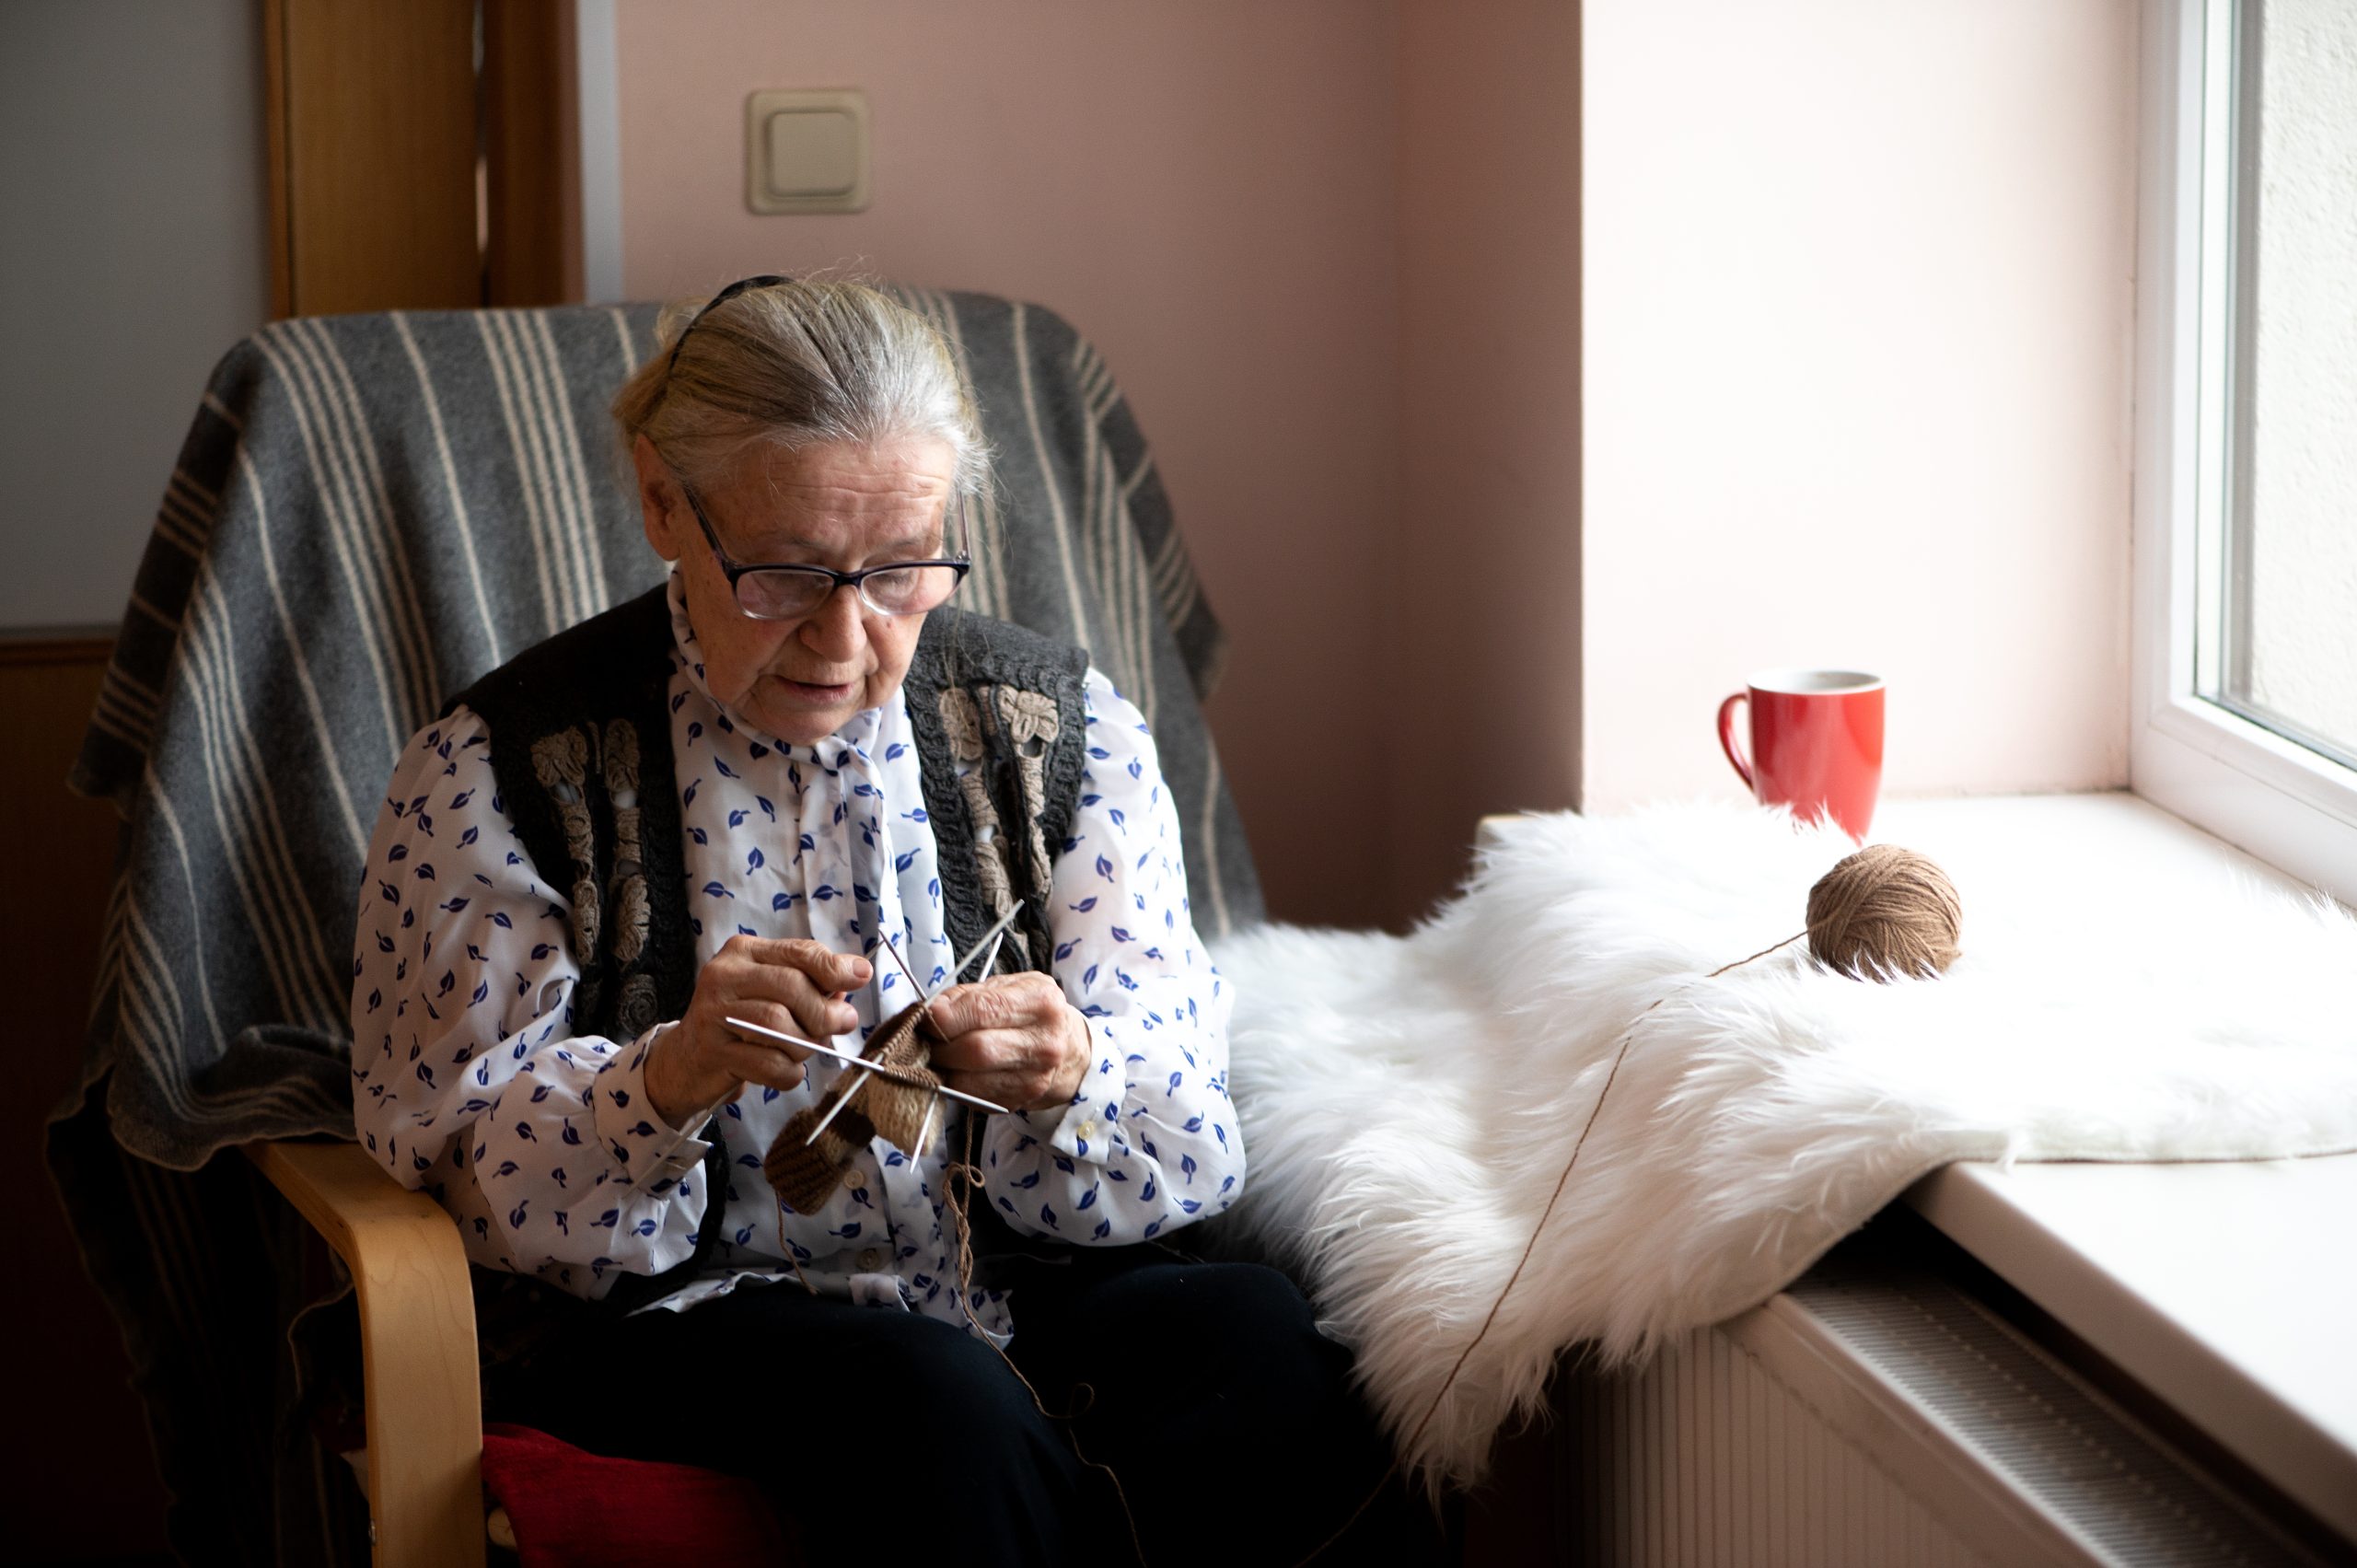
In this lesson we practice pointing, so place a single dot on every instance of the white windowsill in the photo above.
(2226, 1289)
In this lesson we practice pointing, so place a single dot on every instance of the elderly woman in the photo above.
(792, 789)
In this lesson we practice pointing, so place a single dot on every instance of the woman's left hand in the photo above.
(1012, 1039)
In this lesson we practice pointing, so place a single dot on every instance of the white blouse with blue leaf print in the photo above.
(469, 1081)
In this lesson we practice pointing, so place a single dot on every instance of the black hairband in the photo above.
(763, 281)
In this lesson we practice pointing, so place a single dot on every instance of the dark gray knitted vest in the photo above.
(581, 750)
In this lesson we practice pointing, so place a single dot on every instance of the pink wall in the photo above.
(1486, 647)
(1857, 355)
(1205, 188)
(1524, 372)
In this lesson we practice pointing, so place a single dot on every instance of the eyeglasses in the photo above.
(787, 592)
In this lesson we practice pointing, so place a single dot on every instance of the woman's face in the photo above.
(838, 505)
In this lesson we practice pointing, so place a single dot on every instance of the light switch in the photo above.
(806, 151)
(813, 152)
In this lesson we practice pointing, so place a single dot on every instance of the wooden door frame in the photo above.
(402, 177)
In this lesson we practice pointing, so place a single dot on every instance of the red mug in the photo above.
(1815, 743)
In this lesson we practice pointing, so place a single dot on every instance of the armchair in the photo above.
(369, 512)
(417, 1341)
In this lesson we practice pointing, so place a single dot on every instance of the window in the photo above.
(2245, 614)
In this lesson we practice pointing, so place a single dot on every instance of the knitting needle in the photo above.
(992, 956)
(837, 1108)
(697, 1120)
(911, 974)
(861, 1083)
(890, 1074)
(993, 935)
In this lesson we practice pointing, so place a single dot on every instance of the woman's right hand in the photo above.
(793, 985)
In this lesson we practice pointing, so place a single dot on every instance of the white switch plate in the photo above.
(806, 150)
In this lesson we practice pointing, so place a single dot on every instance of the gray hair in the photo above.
(796, 364)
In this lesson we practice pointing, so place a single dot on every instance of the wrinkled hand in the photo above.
(793, 985)
(1012, 1039)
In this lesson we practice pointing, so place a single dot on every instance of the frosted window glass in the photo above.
(2289, 650)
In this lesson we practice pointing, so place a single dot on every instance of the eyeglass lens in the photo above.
(783, 593)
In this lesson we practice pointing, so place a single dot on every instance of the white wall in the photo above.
(132, 182)
(1858, 307)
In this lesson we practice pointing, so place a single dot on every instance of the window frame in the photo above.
(2285, 803)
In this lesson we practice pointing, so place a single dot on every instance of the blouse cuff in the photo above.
(647, 1150)
(1083, 1129)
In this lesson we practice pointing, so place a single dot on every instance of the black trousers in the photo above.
(1227, 1419)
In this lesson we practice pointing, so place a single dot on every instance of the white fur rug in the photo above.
(1409, 1103)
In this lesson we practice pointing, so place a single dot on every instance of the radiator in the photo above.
(1877, 1416)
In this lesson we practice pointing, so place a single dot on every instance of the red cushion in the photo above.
(575, 1509)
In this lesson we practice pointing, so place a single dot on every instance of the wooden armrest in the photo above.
(1494, 827)
(417, 1339)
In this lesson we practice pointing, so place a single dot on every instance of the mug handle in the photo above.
(1726, 737)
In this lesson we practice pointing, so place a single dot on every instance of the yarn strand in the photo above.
(1880, 913)
(1561, 1181)
(967, 1178)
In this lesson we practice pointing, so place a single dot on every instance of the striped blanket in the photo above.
(369, 512)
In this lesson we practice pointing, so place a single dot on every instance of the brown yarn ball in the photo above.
(1885, 911)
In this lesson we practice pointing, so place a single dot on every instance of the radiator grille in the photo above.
(1978, 1450)
(2134, 1503)
(1704, 1461)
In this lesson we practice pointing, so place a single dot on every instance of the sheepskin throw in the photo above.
(1410, 1102)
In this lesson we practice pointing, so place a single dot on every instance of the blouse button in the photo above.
(870, 1259)
(852, 1176)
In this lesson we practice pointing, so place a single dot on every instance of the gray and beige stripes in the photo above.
(370, 512)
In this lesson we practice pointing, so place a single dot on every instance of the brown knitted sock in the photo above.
(803, 1173)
